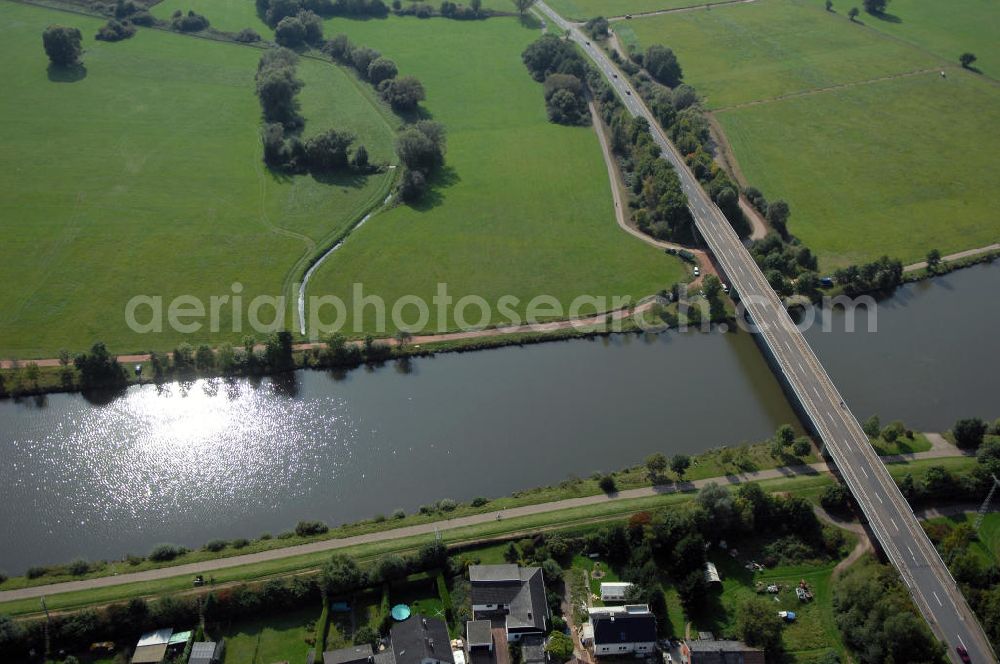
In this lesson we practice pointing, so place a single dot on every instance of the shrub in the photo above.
(403, 93)
(78, 567)
(36, 572)
(240, 543)
(608, 484)
(190, 22)
(290, 32)
(398, 514)
(310, 528)
(113, 31)
(63, 45)
(447, 505)
(215, 545)
(479, 501)
(836, 498)
(286, 535)
(381, 69)
(969, 432)
(166, 552)
(143, 18)
(247, 36)
(264, 537)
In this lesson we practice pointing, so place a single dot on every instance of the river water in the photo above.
(187, 463)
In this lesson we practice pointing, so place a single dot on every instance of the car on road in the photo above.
(614, 75)
(628, 92)
(725, 288)
(697, 271)
(628, 16)
(963, 654)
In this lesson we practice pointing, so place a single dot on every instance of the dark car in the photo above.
(963, 654)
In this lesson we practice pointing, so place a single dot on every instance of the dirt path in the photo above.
(208, 566)
(675, 10)
(968, 253)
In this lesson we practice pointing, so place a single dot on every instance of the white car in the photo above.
(697, 271)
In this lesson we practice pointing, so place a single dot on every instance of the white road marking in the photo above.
(937, 598)
(879, 499)
(894, 523)
(912, 555)
(865, 472)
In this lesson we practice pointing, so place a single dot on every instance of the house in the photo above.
(350, 655)
(205, 652)
(712, 574)
(630, 630)
(479, 635)
(152, 647)
(614, 591)
(712, 651)
(420, 640)
(513, 592)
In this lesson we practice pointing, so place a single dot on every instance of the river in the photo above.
(187, 463)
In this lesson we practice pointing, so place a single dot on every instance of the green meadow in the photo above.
(581, 10)
(226, 15)
(145, 177)
(872, 158)
(523, 207)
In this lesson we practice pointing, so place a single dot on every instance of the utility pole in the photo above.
(985, 507)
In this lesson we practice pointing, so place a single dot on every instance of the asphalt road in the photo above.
(889, 515)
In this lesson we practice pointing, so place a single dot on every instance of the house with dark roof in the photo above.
(516, 594)
(350, 655)
(205, 652)
(479, 635)
(623, 631)
(420, 640)
(713, 651)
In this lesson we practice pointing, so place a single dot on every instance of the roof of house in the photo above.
(155, 637)
(494, 573)
(479, 632)
(349, 655)
(533, 649)
(151, 654)
(521, 589)
(179, 637)
(418, 638)
(616, 585)
(624, 628)
(712, 651)
(202, 652)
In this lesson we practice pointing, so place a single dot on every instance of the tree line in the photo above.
(559, 66)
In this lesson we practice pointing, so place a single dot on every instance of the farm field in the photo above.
(770, 48)
(145, 177)
(582, 10)
(947, 29)
(524, 207)
(852, 105)
(852, 205)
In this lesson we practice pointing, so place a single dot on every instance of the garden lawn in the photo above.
(902, 445)
(581, 10)
(769, 48)
(586, 566)
(523, 207)
(986, 546)
(275, 638)
(814, 629)
(145, 177)
(894, 167)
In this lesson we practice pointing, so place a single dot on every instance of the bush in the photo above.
(290, 32)
(78, 567)
(63, 45)
(836, 498)
(311, 528)
(36, 572)
(240, 543)
(190, 22)
(398, 514)
(447, 505)
(381, 69)
(113, 31)
(215, 545)
(969, 432)
(403, 93)
(247, 36)
(607, 484)
(166, 552)
(479, 501)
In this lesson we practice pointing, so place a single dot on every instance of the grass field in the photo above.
(946, 29)
(145, 177)
(903, 445)
(583, 9)
(226, 15)
(276, 638)
(526, 209)
(872, 158)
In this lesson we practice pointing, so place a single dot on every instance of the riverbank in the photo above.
(805, 480)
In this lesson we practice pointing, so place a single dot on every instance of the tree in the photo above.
(679, 464)
(290, 32)
(597, 27)
(523, 6)
(607, 484)
(421, 146)
(381, 69)
(835, 498)
(403, 93)
(313, 26)
(656, 464)
(99, 368)
(412, 185)
(560, 647)
(853, 13)
(933, 260)
(777, 215)
(967, 59)
(661, 63)
(683, 96)
(893, 431)
(366, 635)
(758, 624)
(328, 151)
(872, 426)
(359, 161)
(969, 432)
(342, 575)
(63, 45)
(476, 6)
(829, 5)
(875, 6)
(801, 447)
(785, 434)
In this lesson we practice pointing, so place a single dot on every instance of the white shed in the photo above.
(614, 591)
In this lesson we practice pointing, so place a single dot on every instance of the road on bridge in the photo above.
(890, 517)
